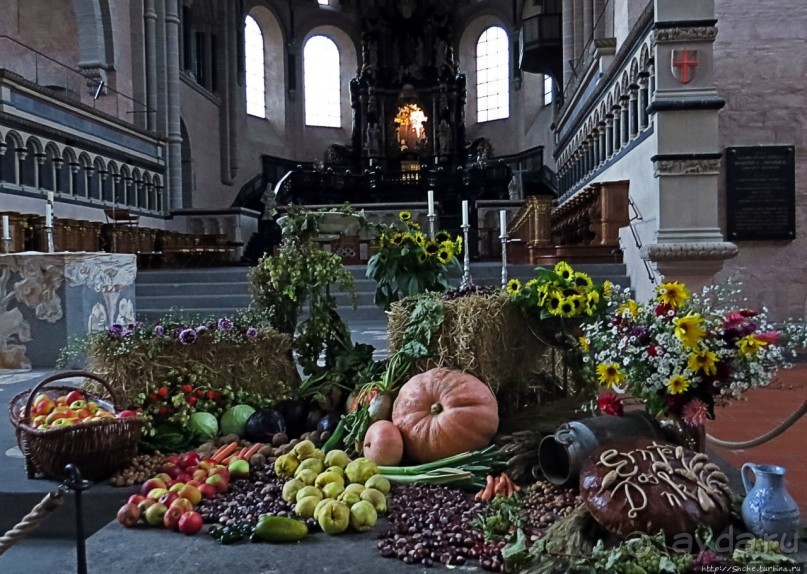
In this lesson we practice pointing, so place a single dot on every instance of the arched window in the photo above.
(492, 75)
(254, 66)
(321, 77)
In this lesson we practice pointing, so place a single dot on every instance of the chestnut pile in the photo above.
(140, 469)
(543, 504)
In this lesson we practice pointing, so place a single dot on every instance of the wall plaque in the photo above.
(760, 193)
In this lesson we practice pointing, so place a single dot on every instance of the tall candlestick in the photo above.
(464, 212)
(503, 221)
(6, 229)
(50, 197)
(48, 215)
(431, 202)
(503, 238)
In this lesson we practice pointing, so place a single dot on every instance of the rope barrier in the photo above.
(33, 519)
(770, 435)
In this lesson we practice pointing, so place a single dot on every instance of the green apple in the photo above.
(155, 514)
(239, 469)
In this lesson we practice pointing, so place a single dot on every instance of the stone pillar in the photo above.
(634, 110)
(617, 131)
(689, 244)
(596, 141)
(568, 42)
(174, 159)
(624, 119)
(150, 18)
(643, 103)
(609, 136)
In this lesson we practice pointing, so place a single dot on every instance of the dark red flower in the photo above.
(652, 350)
(192, 400)
(162, 392)
(153, 397)
(662, 310)
(209, 395)
(187, 389)
(610, 404)
(164, 411)
(198, 393)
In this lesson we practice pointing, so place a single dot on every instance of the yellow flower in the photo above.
(553, 302)
(397, 239)
(672, 293)
(750, 345)
(444, 255)
(448, 246)
(630, 306)
(514, 287)
(432, 248)
(583, 280)
(420, 239)
(413, 225)
(688, 330)
(458, 244)
(442, 236)
(541, 294)
(405, 216)
(568, 307)
(610, 375)
(677, 384)
(703, 360)
(585, 344)
(564, 270)
(607, 288)
(422, 257)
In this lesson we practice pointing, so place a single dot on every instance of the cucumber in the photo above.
(280, 529)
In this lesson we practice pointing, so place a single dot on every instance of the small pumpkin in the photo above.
(383, 444)
(441, 413)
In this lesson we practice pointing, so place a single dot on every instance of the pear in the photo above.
(355, 488)
(318, 454)
(308, 491)
(328, 477)
(349, 498)
(310, 464)
(320, 505)
(305, 506)
(378, 482)
(306, 476)
(332, 489)
(304, 449)
(376, 498)
(334, 517)
(337, 458)
(337, 469)
(291, 488)
(360, 470)
(286, 465)
(363, 516)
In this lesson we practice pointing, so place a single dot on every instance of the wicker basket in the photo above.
(97, 448)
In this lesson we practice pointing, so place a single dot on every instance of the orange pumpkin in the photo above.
(441, 413)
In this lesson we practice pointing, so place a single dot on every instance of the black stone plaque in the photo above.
(761, 193)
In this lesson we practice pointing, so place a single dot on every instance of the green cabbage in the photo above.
(233, 421)
(204, 425)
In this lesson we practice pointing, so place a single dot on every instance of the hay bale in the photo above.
(493, 340)
(263, 365)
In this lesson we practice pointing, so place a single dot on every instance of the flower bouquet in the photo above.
(681, 354)
(407, 262)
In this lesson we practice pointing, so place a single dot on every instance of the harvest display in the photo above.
(420, 447)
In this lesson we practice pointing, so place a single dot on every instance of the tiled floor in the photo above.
(760, 411)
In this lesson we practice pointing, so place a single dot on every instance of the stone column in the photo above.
(643, 103)
(596, 141)
(568, 42)
(150, 18)
(617, 131)
(624, 119)
(174, 159)
(609, 136)
(634, 110)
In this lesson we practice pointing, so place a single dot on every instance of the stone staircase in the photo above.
(225, 290)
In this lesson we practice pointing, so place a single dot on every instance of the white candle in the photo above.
(431, 202)
(50, 197)
(503, 222)
(6, 229)
(48, 215)
(465, 212)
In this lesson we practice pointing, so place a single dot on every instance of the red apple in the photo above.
(126, 414)
(185, 477)
(195, 483)
(190, 523)
(136, 499)
(167, 498)
(191, 469)
(220, 470)
(150, 484)
(183, 504)
(172, 470)
(208, 491)
(154, 514)
(200, 474)
(218, 482)
(191, 493)
(74, 396)
(171, 518)
(190, 458)
(128, 515)
(164, 477)
(173, 459)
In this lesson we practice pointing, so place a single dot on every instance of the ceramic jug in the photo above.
(768, 509)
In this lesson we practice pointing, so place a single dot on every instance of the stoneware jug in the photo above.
(768, 509)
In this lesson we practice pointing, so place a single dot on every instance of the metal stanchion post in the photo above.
(503, 237)
(466, 268)
(77, 484)
(432, 217)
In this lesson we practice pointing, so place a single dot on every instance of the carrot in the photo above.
(243, 452)
(487, 494)
(253, 449)
(501, 487)
(224, 452)
(514, 487)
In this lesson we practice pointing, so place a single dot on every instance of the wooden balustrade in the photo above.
(530, 231)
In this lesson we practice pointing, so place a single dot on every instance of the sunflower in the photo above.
(541, 295)
(610, 375)
(442, 236)
(513, 287)
(564, 270)
(585, 344)
(583, 280)
(607, 288)
(432, 248)
(688, 329)
(422, 257)
(672, 293)
(458, 244)
(553, 302)
(750, 345)
(448, 246)
(405, 216)
(630, 306)
(413, 225)
(397, 239)
(703, 360)
(677, 384)
(444, 255)
(568, 307)
(419, 239)
(531, 284)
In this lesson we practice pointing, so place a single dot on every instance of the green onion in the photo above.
(467, 468)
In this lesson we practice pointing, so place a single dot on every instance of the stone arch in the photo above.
(634, 71)
(148, 190)
(644, 57)
(124, 185)
(29, 166)
(95, 40)
(136, 191)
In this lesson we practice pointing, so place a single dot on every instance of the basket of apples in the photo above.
(57, 425)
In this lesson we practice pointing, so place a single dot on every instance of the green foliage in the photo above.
(301, 274)
(503, 520)
(407, 262)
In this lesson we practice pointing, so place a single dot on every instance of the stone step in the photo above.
(176, 288)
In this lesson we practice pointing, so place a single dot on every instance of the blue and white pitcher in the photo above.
(768, 509)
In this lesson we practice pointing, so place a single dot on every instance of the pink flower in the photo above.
(771, 337)
(695, 413)
(610, 404)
